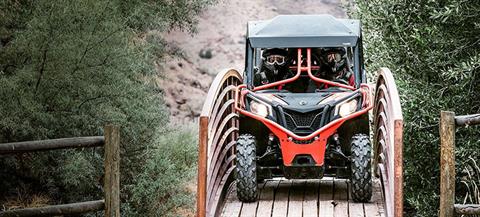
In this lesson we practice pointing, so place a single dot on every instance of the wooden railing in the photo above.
(448, 124)
(388, 142)
(111, 203)
(218, 132)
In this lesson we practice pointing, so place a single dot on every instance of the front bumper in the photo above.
(293, 145)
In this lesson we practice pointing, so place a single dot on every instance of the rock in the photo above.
(195, 84)
(184, 107)
(181, 101)
(206, 71)
(180, 64)
(194, 114)
(205, 53)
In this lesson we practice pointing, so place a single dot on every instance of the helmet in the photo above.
(274, 59)
(335, 58)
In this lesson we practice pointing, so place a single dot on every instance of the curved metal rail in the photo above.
(388, 142)
(217, 135)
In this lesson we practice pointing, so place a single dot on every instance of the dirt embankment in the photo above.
(218, 44)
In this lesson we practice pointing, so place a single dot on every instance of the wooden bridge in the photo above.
(310, 198)
(218, 131)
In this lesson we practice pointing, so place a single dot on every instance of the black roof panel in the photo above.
(304, 31)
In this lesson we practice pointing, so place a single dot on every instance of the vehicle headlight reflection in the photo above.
(259, 108)
(346, 108)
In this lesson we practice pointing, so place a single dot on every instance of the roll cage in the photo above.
(253, 58)
(306, 32)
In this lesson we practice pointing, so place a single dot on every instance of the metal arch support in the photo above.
(388, 142)
(218, 131)
(218, 163)
(216, 114)
(222, 155)
(221, 186)
(215, 89)
(224, 130)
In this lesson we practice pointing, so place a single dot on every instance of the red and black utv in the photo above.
(289, 130)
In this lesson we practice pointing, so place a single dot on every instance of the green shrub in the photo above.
(67, 68)
(432, 49)
(161, 188)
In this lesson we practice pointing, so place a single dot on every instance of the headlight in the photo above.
(259, 108)
(346, 108)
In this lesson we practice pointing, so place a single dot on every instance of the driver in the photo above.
(336, 66)
(274, 66)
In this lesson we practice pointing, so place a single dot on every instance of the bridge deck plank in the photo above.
(354, 209)
(295, 199)
(325, 198)
(310, 201)
(305, 198)
(340, 198)
(265, 201)
(232, 204)
(280, 206)
(375, 208)
(250, 209)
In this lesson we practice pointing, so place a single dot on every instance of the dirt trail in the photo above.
(221, 32)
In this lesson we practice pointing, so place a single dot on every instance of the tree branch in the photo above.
(42, 68)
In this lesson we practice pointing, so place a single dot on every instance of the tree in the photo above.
(69, 67)
(432, 48)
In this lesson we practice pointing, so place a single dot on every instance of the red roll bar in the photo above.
(301, 69)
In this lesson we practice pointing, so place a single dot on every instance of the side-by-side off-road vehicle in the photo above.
(287, 130)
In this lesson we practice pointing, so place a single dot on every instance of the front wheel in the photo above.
(246, 168)
(361, 177)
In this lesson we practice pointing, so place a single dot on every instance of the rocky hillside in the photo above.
(220, 43)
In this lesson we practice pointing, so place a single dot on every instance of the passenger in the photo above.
(334, 67)
(274, 66)
(338, 69)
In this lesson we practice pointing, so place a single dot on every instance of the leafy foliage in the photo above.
(175, 162)
(432, 48)
(69, 67)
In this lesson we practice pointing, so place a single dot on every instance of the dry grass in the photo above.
(471, 182)
(185, 212)
(26, 201)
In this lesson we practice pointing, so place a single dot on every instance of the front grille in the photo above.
(290, 123)
(303, 121)
(303, 142)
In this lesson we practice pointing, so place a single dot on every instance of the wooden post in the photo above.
(112, 171)
(398, 169)
(447, 163)
(202, 167)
